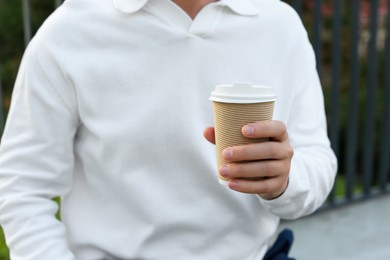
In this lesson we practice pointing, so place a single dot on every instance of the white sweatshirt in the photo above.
(108, 112)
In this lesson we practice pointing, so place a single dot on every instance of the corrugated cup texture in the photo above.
(229, 118)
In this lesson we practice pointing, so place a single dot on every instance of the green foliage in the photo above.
(11, 30)
(4, 253)
(12, 43)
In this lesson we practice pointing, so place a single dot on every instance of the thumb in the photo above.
(209, 134)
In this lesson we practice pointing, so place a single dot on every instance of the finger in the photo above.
(267, 188)
(257, 151)
(209, 134)
(256, 169)
(266, 129)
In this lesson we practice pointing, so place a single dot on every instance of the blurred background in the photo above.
(352, 45)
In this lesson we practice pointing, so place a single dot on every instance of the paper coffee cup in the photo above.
(235, 106)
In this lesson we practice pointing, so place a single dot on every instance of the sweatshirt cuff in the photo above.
(291, 202)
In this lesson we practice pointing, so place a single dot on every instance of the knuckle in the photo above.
(266, 188)
(283, 127)
(236, 170)
(267, 126)
(269, 167)
(273, 150)
(290, 152)
(240, 152)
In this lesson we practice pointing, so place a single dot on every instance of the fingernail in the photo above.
(248, 130)
(224, 171)
(228, 153)
(233, 184)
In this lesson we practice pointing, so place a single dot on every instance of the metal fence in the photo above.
(27, 18)
(356, 79)
(352, 45)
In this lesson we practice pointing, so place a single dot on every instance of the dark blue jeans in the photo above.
(280, 249)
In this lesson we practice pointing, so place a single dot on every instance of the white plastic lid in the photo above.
(242, 92)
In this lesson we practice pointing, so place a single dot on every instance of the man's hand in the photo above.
(261, 168)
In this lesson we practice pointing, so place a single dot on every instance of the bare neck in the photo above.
(192, 7)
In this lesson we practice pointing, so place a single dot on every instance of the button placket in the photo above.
(171, 13)
(206, 20)
(202, 25)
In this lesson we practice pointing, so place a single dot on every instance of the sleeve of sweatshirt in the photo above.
(314, 165)
(36, 162)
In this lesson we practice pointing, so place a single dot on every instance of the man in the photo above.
(108, 110)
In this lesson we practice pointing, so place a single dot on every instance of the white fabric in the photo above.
(243, 7)
(108, 112)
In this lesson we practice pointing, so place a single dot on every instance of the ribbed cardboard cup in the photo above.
(235, 106)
